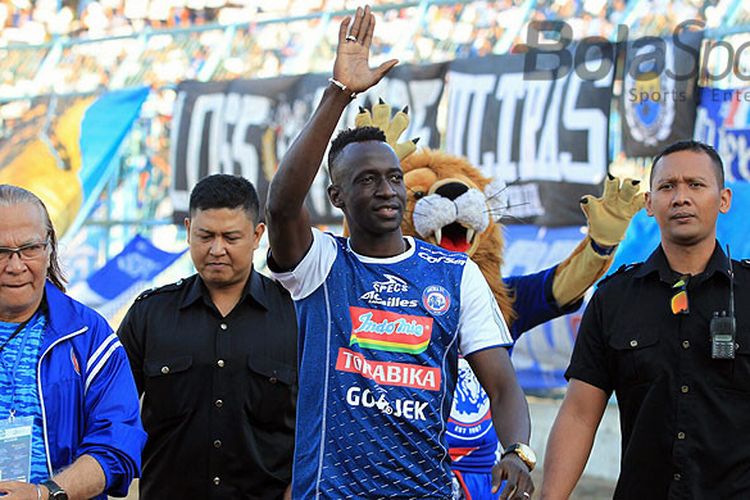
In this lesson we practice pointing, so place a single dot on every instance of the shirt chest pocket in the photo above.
(635, 356)
(168, 386)
(738, 369)
(271, 391)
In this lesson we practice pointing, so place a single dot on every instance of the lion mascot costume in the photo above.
(452, 205)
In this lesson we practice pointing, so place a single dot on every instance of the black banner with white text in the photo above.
(245, 126)
(547, 138)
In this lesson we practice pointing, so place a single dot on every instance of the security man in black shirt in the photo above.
(214, 356)
(659, 334)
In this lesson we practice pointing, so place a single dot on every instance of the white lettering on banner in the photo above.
(533, 119)
(731, 147)
(425, 94)
(549, 142)
(410, 409)
(734, 148)
(528, 109)
(231, 115)
(595, 123)
(705, 127)
(510, 90)
(232, 131)
(419, 95)
(242, 112)
(204, 105)
(136, 265)
(179, 196)
(524, 200)
(526, 256)
(466, 89)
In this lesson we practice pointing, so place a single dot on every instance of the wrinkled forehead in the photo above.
(21, 223)
(358, 156)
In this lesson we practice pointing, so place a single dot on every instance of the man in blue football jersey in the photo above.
(382, 318)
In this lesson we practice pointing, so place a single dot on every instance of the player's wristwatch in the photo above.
(524, 452)
(55, 491)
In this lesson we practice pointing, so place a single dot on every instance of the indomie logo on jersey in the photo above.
(389, 331)
(388, 293)
(389, 373)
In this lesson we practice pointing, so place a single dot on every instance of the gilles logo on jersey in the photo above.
(388, 293)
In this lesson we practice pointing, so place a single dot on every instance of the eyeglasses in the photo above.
(29, 251)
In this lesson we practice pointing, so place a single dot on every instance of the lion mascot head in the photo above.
(452, 205)
(449, 202)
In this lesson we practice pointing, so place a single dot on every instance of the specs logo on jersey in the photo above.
(382, 293)
(389, 331)
(388, 372)
(393, 284)
(410, 409)
(436, 299)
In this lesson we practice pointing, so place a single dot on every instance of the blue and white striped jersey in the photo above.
(379, 342)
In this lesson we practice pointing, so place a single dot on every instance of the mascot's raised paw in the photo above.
(393, 128)
(609, 216)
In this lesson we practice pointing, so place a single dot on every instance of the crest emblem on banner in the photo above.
(649, 101)
(470, 417)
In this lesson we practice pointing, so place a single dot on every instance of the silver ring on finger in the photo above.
(526, 494)
(351, 38)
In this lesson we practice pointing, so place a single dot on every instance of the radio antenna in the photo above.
(731, 284)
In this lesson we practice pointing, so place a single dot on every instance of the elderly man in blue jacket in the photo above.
(69, 419)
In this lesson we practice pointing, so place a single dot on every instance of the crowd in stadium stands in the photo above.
(37, 21)
(208, 50)
(160, 42)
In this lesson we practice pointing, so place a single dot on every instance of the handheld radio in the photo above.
(723, 325)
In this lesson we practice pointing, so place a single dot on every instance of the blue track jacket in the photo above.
(88, 397)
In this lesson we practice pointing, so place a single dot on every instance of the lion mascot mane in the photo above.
(452, 205)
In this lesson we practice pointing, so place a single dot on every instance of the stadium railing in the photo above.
(413, 31)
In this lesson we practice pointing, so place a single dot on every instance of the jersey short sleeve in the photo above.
(313, 269)
(481, 324)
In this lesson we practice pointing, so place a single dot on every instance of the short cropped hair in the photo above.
(348, 136)
(13, 195)
(225, 191)
(698, 147)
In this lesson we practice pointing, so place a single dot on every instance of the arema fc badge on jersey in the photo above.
(436, 300)
(649, 97)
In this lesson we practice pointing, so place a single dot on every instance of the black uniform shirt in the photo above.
(219, 392)
(684, 417)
